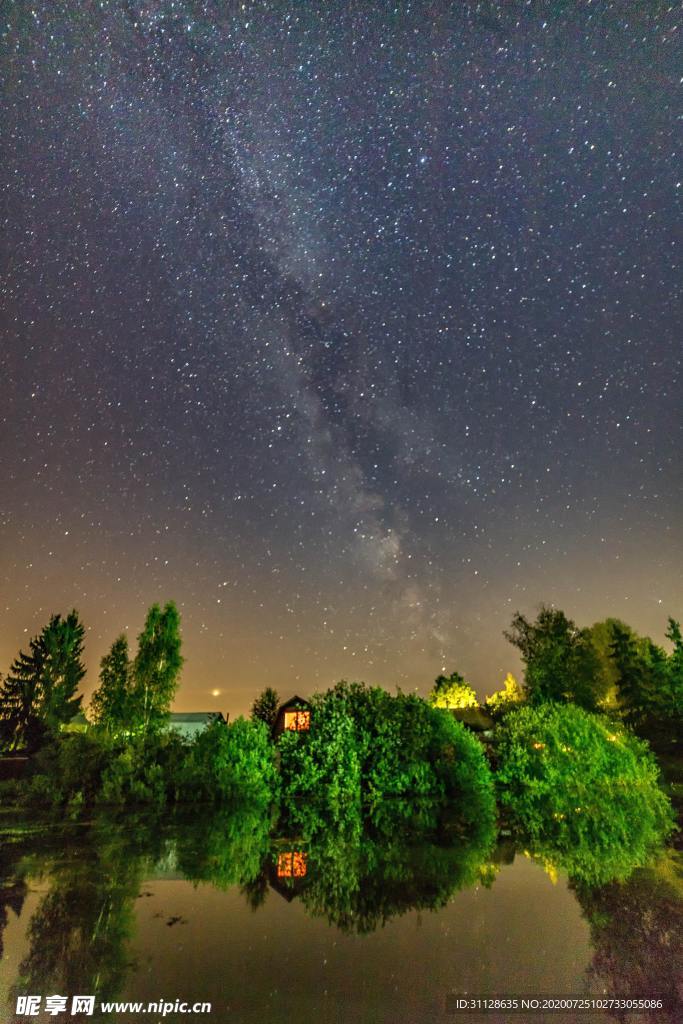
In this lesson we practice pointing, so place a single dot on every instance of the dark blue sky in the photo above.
(353, 328)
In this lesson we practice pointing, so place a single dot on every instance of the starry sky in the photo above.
(351, 327)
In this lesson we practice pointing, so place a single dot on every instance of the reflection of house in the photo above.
(293, 716)
(288, 871)
(189, 723)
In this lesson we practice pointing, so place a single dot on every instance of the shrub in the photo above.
(231, 763)
(582, 793)
(365, 746)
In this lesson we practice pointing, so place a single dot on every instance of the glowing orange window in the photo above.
(292, 865)
(298, 721)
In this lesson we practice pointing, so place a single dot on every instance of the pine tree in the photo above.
(39, 693)
(111, 702)
(156, 669)
(63, 669)
(675, 668)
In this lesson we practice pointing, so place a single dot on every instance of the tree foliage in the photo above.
(649, 682)
(506, 699)
(264, 708)
(560, 662)
(583, 793)
(156, 669)
(452, 692)
(365, 746)
(39, 693)
(233, 762)
(111, 702)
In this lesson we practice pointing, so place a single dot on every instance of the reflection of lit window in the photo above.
(298, 721)
(291, 865)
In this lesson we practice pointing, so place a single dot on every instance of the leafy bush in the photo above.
(69, 768)
(583, 793)
(231, 763)
(365, 746)
(80, 770)
(320, 769)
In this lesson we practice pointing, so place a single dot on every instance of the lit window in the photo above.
(292, 865)
(298, 721)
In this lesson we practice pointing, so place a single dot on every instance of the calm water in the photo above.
(356, 930)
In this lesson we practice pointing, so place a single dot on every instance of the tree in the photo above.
(634, 681)
(264, 708)
(232, 763)
(156, 669)
(649, 682)
(111, 703)
(560, 663)
(582, 793)
(452, 692)
(675, 669)
(39, 693)
(504, 700)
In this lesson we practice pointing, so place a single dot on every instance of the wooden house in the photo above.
(292, 716)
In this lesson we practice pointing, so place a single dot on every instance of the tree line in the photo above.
(39, 695)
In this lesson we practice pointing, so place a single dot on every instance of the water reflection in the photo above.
(90, 879)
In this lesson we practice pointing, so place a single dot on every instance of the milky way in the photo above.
(353, 328)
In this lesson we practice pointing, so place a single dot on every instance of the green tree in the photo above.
(452, 692)
(635, 683)
(156, 669)
(39, 693)
(366, 746)
(675, 669)
(649, 682)
(233, 762)
(320, 768)
(111, 702)
(583, 793)
(560, 663)
(264, 708)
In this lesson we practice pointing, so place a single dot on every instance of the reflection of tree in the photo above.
(78, 936)
(637, 931)
(13, 887)
(359, 881)
(228, 847)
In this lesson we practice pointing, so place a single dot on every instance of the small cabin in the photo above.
(190, 723)
(292, 716)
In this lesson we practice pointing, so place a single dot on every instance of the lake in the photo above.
(362, 929)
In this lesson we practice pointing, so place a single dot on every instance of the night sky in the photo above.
(351, 328)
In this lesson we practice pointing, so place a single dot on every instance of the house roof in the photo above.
(294, 702)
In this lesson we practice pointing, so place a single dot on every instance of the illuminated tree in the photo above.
(231, 763)
(452, 692)
(506, 699)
